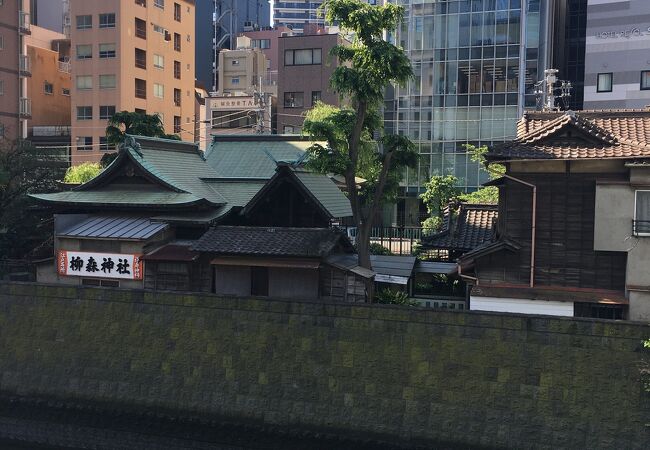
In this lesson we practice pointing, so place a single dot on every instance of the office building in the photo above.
(296, 14)
(475, 65)
(617, 60)
(570, 25)
(48, 14)
(130, 55)
(15, 104)
(304, 72)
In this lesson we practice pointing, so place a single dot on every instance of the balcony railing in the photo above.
(25, 107)
(64, 66)
(24, 26)
(641, 227)
(25, 65)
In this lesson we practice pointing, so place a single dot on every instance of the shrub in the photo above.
(82, 173)
(392, 297)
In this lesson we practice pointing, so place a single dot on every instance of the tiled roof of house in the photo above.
(578, 135)
(297, 242)
(114, 227)
(465, 227)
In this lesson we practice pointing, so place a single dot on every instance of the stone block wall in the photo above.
(408, 375)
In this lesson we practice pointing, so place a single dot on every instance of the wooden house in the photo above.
(573, 205)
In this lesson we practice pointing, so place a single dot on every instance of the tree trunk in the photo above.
(363, 250)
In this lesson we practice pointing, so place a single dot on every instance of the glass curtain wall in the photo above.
(467, 56)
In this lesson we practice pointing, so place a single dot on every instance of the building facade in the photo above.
(130, 56)
(617, 66)
(296, 14)
(304, 72)
(475, 67)
(243, 69)
(15, 69)
(218, 23)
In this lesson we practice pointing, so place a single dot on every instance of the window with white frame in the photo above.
(48, 88)
(106, 111)
(84, 22)
(107, 20)
(642, 213)
(85, 143)
(84, 82)
(158, 90)
(107, 81)
(302, 57)
(107, 50)
(604, 82)
(159, 61)
(84, 113)
(84, 51)
(159, 3)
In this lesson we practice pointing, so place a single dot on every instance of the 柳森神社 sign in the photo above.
(101, 265)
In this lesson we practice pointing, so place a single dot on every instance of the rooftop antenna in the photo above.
(548, 92)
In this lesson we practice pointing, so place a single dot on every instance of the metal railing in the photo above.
(64, 66)
(24, 25)
(641, 227)
(25, 107)
(25, 64)
(399, 240)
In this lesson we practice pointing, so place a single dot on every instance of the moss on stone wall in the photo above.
(471, 378)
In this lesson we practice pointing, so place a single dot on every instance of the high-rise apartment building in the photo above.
(475, 63)
(130, 55)
(15, 69)
(617, 60)
(296, 14)
(570, 25)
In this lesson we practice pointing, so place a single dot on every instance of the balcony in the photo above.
(24, 27)
(25, 66)
(64, 66)
(25, 108)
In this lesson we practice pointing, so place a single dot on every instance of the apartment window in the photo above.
(85, 143)
(65, 91)
(2, 87)
(177, 12)
(177, 70)
(84, 113)
(645, 80)
(260, 281)
(106, 111)
(107, 50)
(140, 58)
(103, 143)
(107, 82)
(48, 88)
(302, 57)
(642, 213)
(315, 97)
(84, 51)
(107, 20)
(158, 29)
(2, 42)
(288, 129)
(2, 130)
(140, 28)
(261, 43)
(140, 88)
(84, 22)
(84, 82)
(141, 3)
(293, 99)
(158, 61)
(140, 111)
(158, 90)
(604, 82)
(177, 97)
(234, 80)
(159, 3)
(177, 42)
(177, 124)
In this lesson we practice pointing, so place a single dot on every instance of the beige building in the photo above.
(15, 105)
(243, 69)
(130, 55)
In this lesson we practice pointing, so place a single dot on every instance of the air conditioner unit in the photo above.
(168, 36)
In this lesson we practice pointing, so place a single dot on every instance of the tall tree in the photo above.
(366, 69)
(125, 122)
(25, 170)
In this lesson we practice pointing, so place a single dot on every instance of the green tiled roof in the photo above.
(236, 192)
(126, 197)
(326, 192)
(249, 159)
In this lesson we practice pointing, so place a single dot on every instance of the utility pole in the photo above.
(262, 102)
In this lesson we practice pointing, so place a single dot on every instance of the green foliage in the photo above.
(393, 297)
(432, 224)
(82, 173)
(489, 194)
(644, 368)
(107, 159)
(24, 170)
(366, 69)
(378, 249)
(439, 191)
(125, 122)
